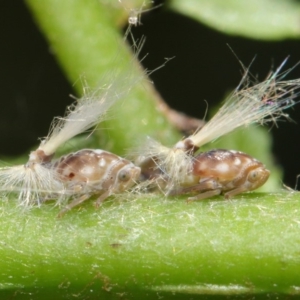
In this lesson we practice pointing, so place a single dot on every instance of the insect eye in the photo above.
(255, 175)
(124, 175)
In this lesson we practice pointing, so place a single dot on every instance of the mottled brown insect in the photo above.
(181, 169)
(94, 172)
(79, 175)
(222, 171)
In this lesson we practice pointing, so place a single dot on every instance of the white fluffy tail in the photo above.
(93, 106)
(259, 103)
(33, 183)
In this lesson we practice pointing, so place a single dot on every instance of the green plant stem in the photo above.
(86, 41)
(249, 245)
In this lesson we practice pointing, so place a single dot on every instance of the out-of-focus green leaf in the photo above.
(257, 19)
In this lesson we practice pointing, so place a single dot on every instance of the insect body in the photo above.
(94, 172)
(180, 170)
(218, 171)
(87, 172)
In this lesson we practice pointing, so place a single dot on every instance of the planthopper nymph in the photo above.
(89, 172)
(184, 169)
(222, 171)
(79, 175)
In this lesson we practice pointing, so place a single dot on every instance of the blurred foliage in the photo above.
(256, 19)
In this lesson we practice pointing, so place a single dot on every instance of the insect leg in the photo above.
(74, 203)
(102, 198)
(236, 191)
(206, 185)
(205, 195)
